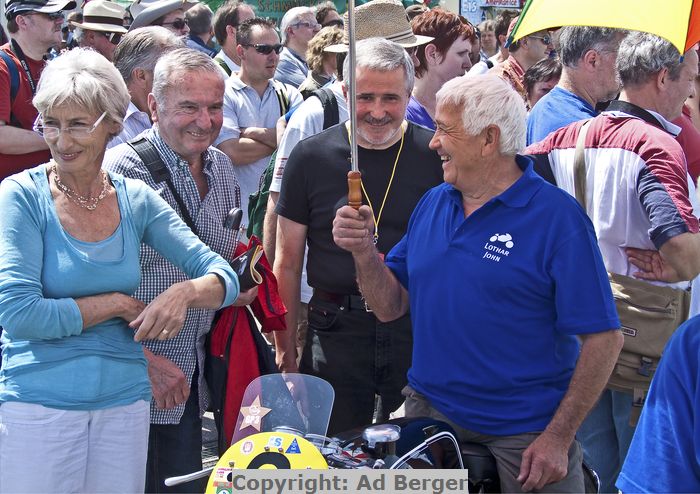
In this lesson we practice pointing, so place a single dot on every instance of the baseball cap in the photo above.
(16, 7)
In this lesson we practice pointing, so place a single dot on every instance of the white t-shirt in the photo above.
(244, 108)
(305, 122)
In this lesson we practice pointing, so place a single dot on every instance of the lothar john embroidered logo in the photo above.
(497, 246)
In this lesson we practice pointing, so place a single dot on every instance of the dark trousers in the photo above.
(360, 357)
(177, 449)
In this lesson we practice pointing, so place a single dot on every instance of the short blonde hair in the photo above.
(84, 78)
(327, 36)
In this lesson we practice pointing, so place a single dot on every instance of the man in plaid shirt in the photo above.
(186, 108)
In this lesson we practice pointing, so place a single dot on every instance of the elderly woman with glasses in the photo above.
(74, 388)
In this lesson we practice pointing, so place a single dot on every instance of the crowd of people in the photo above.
(505, 186)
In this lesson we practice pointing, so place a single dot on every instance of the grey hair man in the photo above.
(186, 105)
(135, 58)
(226, 21)
(588, 56)
(526, 400)
(638, 198)
(379, 18)
(346, 344)
(199, 19)
(34, 27)
(297, 28)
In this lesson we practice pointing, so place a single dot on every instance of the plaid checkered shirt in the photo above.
(157, 273)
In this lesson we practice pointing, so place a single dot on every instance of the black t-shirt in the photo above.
(315, 186)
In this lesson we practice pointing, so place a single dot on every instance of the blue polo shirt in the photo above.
(496, 299)
(663, 456)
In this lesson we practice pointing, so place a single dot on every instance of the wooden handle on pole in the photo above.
(355, 189)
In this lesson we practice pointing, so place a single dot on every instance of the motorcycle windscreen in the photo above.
(296, 403)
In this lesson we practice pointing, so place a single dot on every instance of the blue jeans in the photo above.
(177, 449)
(605, 436)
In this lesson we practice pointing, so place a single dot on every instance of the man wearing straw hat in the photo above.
(346, 345)
(102, 27)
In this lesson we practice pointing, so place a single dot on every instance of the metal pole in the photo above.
(354, 176)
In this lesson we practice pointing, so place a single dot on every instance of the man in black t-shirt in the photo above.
(346, 345)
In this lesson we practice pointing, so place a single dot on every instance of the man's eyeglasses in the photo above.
(312, 25)
(177, 23)
(546, 39)
(76, 132)
(337, 22)
(266, 49)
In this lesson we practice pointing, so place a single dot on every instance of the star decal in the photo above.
(253, 414)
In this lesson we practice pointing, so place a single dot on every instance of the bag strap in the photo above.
(14, 84)
(331, 114)
(635, 111)
(580, 166)
(222, 63)
(159, 172)
(282, 97)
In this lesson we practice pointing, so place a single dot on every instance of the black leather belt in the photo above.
(350, 302)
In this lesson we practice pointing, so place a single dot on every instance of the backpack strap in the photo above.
(282, 97)
(331, 114)
(159, 172)
(222, 63)
(14, 84)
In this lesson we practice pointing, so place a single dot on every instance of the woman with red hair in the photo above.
(444, 58)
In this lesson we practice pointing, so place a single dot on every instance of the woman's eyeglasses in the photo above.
(76, 132)
(266, 49)
(177, 23)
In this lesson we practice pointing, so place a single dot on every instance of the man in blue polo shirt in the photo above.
(503, 272)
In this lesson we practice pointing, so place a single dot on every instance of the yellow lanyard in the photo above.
(378, 218)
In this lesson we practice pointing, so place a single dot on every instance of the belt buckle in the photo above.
(367, 308)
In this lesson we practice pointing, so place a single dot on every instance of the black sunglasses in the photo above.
(337, 22)
(54, 16)
(177, 23)
(266, 49)
(114, 38)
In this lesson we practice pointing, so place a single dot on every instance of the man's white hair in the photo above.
(291, 17)
(488, 100)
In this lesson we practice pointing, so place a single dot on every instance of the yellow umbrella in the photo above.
(678, 21)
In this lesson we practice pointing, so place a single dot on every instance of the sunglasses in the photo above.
(266, 49)
(54, 16)
(546, 39)
(177, 23)
(337, 22)
(113, 38)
